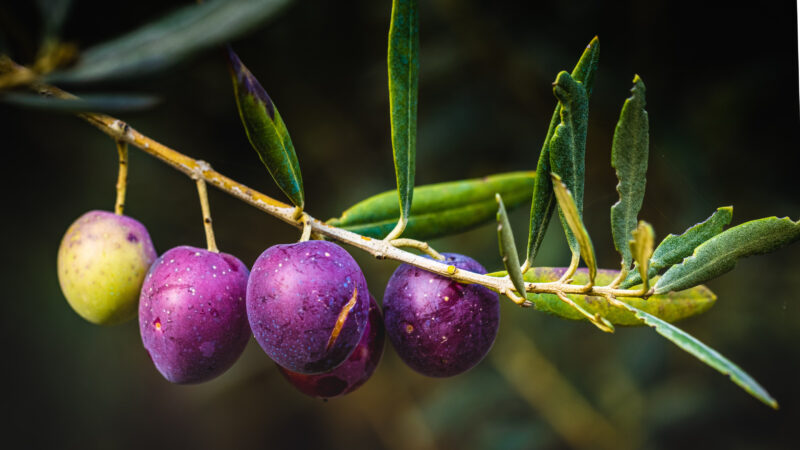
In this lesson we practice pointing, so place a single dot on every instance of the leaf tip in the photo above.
(248, 82)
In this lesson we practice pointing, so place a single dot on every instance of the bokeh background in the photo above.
(723, 102)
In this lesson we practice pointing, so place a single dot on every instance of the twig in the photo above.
(381, 249)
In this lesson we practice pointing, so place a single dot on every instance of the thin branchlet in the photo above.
(381, 249)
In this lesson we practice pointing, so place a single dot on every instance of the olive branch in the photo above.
(385, 224)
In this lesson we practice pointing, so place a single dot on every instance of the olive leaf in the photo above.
(720, 253)
(674, 248)
(671, 307)
(101, 103)
(403, 64)
(568, 146)
(629, 153)
(54, 13)
(508, 248)
(544, 201)
(439, 209)
(705, 354)
(166, 41)
(572, 217)
(641, 247)
(266, 131)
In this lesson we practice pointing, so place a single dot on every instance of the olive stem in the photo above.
(122, 177)
(381, 249)
(306, 228)
(397, 230)
(419, 245)
(623, 273)
(203, 194)
(573, 266)
(596, 320)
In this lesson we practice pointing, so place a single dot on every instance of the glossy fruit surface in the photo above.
(102, 262)
(355, 371)
(192, 315)
(440, 328)
(308, 305)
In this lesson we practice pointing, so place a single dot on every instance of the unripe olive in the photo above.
(102, 262)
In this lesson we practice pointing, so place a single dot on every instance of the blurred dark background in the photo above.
(722, 92)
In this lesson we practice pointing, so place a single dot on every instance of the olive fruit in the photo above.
(192, 315)
(308, 305)
(352, 373)
(439, 327)
(102, 262)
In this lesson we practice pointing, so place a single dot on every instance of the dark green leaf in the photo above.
(720, 253)
(671, 307)
(544, 201)
(403, 63)
(508, 248)
(629, 158)
(705, 354)
(568, 144)
(101, 103)
(54, 13)
(166, 41)
(641, 247)
(266, 131)
(569, 210)
(674, 248)
(439, 209)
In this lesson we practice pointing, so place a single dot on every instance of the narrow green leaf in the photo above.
(629, 154)
(642, 249)
(705, 354)
(101, 103)
(568, 144)
(439, 209)
(508, 248)
(54, 13)
(674, 248)
(544, 201)
(720, 253)
(671, 307)
(266, 131)
(166, 41)
(403, 63)
(569, 209)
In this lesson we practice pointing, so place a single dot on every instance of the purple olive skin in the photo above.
(192, 314)
(356, 369)
(308, 305)
(440, 328)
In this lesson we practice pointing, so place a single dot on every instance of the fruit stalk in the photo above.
(122, 177)
(380, 249)
(211, 243)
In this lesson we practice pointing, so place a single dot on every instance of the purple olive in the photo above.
(192, 314)
(440, 328)
(356, 369)
(308, 305)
